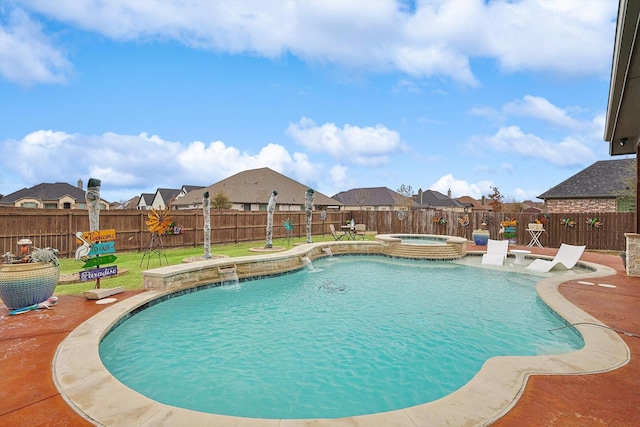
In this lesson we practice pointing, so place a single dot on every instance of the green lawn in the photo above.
(131, 261)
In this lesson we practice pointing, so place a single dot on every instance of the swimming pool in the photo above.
(356, 335)
(85, 384)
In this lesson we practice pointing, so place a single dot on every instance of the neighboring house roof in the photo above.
(373, 196)
(45, 192)
(474, 204)
(146, 199)
(131, 203)
(603, 179)
(532, 209)
(435, 199)
(188, 188)
(167, 194)
(256, 186)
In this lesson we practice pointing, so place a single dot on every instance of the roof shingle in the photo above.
(603, 179)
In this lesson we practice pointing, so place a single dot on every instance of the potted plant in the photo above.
(481, 236)
(30, 279)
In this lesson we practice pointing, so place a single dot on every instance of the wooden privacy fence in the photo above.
(57, 228)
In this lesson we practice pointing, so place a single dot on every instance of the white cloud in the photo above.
(540, 108)
(28, 55)
(522, 194)
(512, 139)
(487, 112)
(460, 187)
(338, 179)
(436, 39)
(558, 37)
(358, 145)
(127, 164)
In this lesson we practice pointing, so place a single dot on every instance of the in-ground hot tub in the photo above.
(424, 246)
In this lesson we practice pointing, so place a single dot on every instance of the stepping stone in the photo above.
(102, 293)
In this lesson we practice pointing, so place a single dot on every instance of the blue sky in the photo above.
(461, 95)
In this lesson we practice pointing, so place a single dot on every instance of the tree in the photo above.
(361, 197)
(511, 205)
(405, 190)
(407, 197)
(495, 199)
(627, 197)
(221, 201)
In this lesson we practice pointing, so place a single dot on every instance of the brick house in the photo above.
(57, 195)
(602, 187)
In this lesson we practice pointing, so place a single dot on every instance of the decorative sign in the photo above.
(98, 273)
(102, 248)
(100, 260)
(98, 236)
(93, 247)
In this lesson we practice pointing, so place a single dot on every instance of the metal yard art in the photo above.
(159, 222)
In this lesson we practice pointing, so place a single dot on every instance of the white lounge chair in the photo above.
(496, 252)
(567, 256)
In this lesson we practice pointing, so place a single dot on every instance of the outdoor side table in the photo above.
(519, 254)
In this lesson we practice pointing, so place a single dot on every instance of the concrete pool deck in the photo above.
(29, 342)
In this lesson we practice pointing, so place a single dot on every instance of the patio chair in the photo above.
(496, 252)
(336, 236)
(567, 256)
(360, 230)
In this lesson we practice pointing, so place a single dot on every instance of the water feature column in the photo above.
(206, 213)
(92, 197)
(270, 209)
(308, 204)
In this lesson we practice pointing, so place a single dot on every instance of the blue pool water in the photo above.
(356, 335)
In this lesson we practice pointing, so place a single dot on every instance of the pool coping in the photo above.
(94, 393)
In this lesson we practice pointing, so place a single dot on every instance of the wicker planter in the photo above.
(22, 285)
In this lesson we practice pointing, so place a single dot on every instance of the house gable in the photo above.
(145, 201)
(164, 197)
